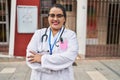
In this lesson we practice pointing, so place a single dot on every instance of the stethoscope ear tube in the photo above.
(44, 35)
(61, 39)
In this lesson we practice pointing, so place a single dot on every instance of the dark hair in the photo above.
(61, 7)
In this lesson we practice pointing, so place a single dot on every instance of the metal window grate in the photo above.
(113, 24)
(4, 26)
(103, 28)
(3, 21)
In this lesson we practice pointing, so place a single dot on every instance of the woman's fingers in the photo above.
(31, 56)
(33, 52)
(31, 60)
(34, 57)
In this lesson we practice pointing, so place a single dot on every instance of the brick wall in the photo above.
(4, 48)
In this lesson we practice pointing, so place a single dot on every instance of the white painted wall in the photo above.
(12, 27)
(81, 26)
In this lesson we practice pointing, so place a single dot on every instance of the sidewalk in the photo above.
(97, 69)
(85, 70)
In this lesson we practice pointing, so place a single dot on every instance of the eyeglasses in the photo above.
(57, 15)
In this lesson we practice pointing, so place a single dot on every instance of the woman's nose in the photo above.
(55, 18)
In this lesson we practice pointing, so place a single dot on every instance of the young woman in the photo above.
(52, 51)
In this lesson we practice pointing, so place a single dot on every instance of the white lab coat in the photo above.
(57, 66)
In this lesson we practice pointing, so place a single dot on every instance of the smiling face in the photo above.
(56, 18)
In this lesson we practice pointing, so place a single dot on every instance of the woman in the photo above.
(52, 51)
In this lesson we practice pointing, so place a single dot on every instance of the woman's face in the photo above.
(56, 18)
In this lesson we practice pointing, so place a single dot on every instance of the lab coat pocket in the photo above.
(63, 45)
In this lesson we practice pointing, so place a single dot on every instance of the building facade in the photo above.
(96, 22)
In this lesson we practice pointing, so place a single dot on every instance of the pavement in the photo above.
(85, 69)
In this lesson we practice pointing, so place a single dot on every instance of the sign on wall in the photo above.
(27, 19)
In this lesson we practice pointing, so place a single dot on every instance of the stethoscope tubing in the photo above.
(46, 36)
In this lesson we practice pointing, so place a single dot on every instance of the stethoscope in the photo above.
(55, 42)
(45, 36)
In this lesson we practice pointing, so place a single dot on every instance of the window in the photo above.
(45, 4)
(3, 21)
(68, 7)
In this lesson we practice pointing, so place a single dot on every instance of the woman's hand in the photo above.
(35, 57)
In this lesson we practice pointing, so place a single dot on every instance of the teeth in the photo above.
(55, 23)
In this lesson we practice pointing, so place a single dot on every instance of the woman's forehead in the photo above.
(55, 10)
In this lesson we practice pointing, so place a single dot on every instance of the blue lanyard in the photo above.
(52, 45)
